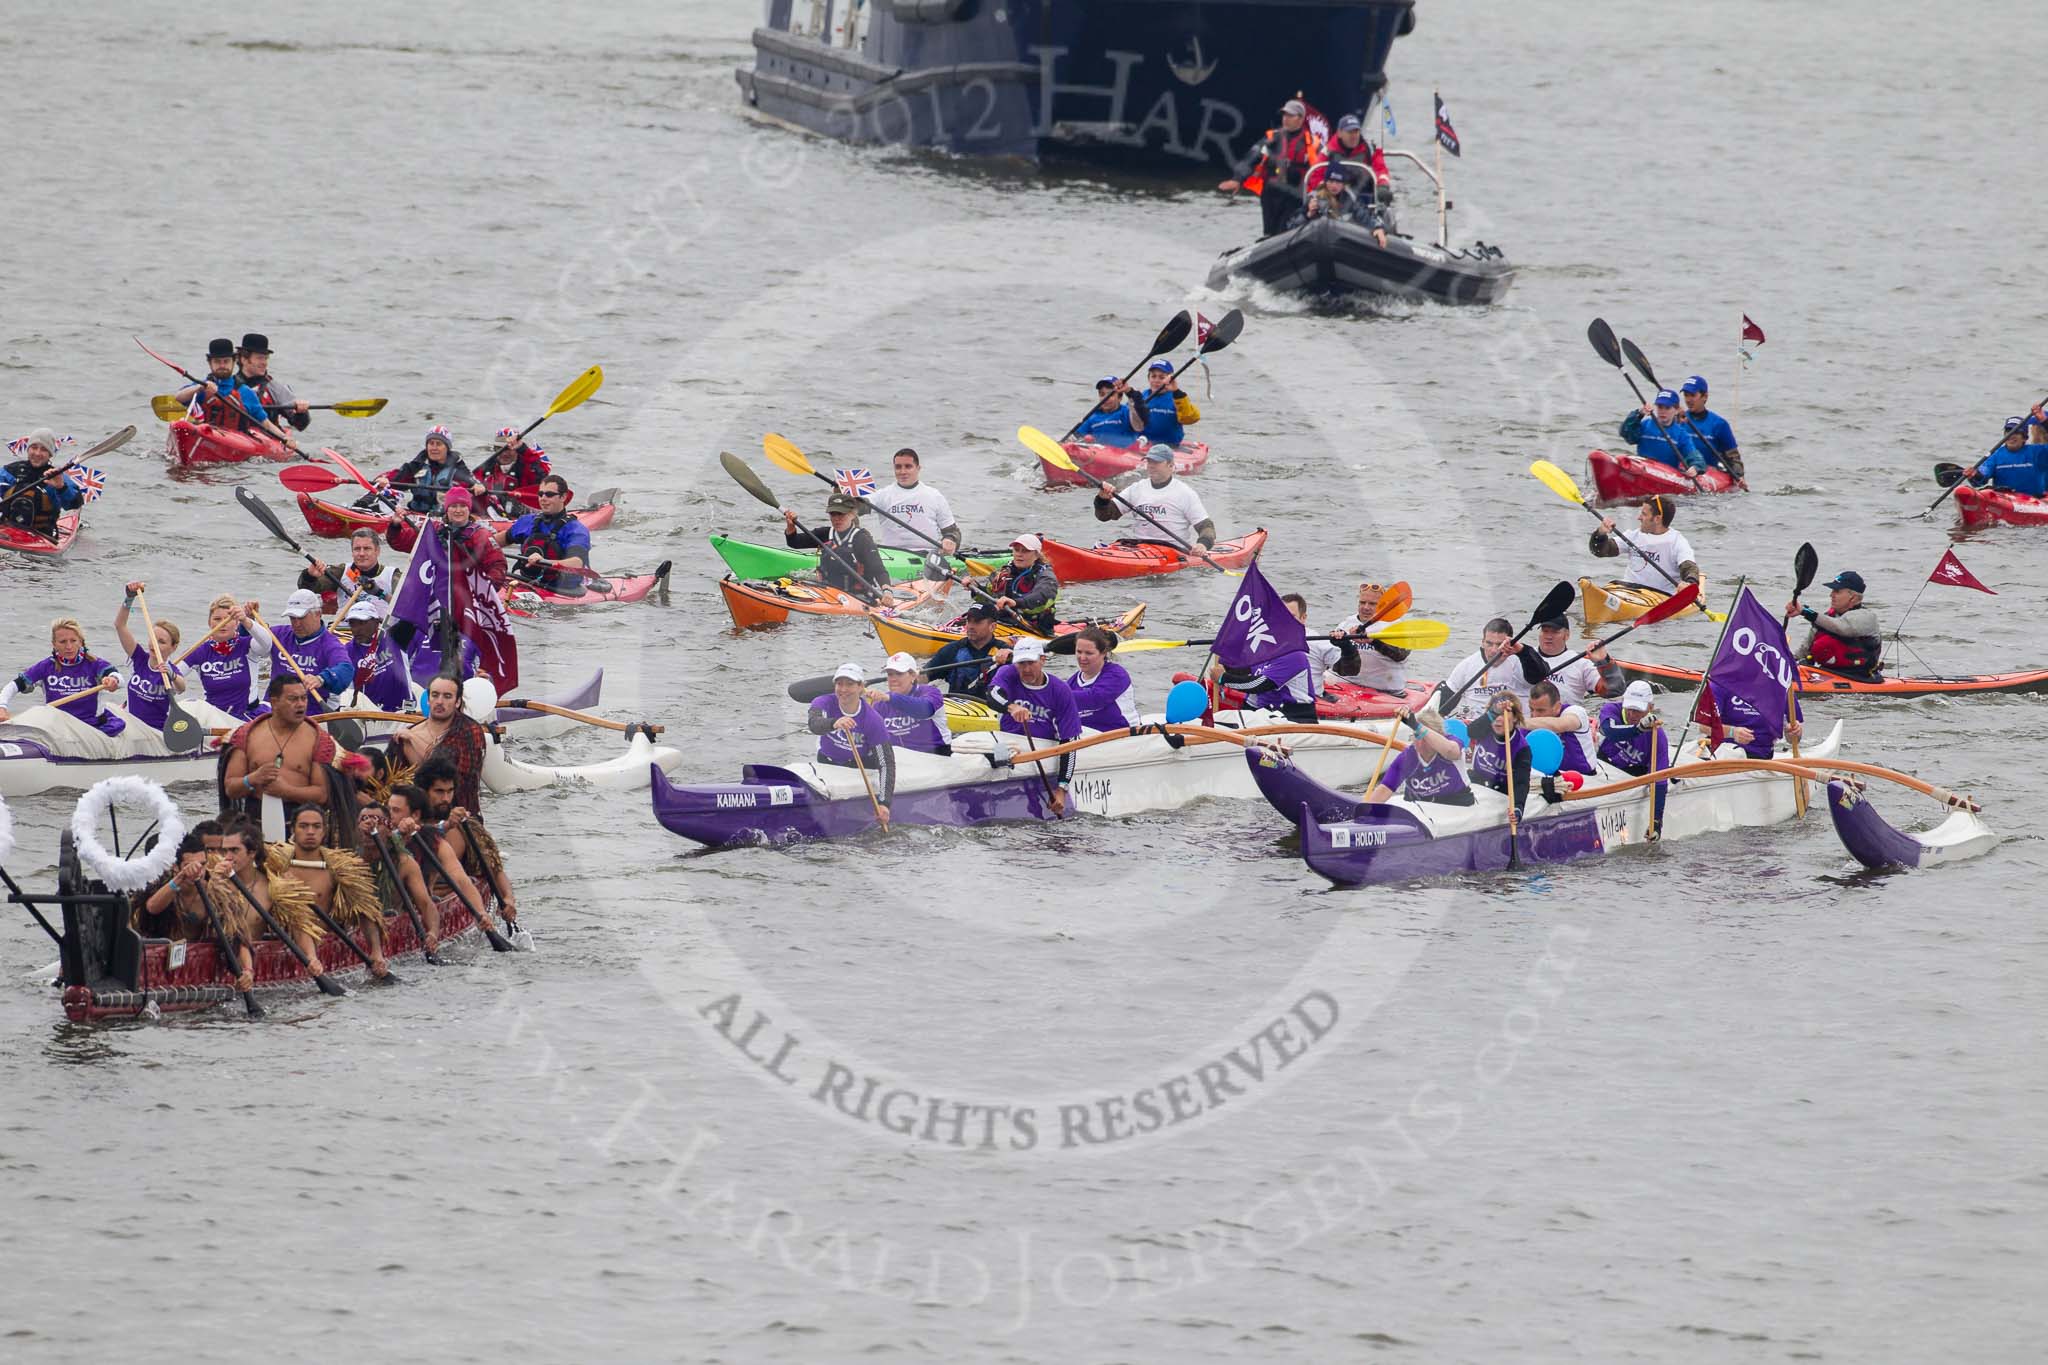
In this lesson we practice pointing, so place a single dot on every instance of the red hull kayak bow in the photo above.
(1138, 559)
(1621, 478)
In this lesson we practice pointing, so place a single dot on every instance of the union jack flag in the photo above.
(855, 483)
(19, 445)
(92, 482)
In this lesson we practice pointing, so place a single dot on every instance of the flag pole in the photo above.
(1733, 603)
(1741, 364)
(1215, 690)
(1443, 234)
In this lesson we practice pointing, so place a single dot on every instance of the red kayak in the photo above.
(1343, 700)
(338, 521)
(626, 588)
(1098, 462)
(1622, 477)
(1137, 558)
(30, 543)
(192, 443)
(1993, 506)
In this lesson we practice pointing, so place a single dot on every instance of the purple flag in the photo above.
(1751, 678)
(422, 594)
(1258, 627)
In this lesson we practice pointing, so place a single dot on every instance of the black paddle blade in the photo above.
(1640, 361)
(1172, 334)
(329, 986)
(1225, 331)
(808, 690)
(1805, 564)
(181, 733)
(1948, 475)
(260, 510)
(743, 476)
(1556, 602)
(1602, 337)
(249, 999)
(347, 733)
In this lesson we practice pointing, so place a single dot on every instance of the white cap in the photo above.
(850, 670)
(366, 609)
(1636, 696)
(1030, 542)
(1027, 649)
(899, 662)
(304, 602)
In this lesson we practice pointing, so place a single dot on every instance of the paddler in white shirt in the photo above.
(1594, 675)
(1166, 499)
(1656, 547)
(1518, 668)
(1382, 667)
(911, 500)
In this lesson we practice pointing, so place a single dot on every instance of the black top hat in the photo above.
(220, 348)
(255, 343)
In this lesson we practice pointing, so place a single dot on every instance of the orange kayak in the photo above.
(1816, 682)
(1137, 558)
(769, 602)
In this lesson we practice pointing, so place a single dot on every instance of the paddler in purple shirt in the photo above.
(323, 658)
(149, 700)
(1427, 770)
(380, 675)
(1039, 706)
(1280, 684)
(1490, 753)
(68, 671)
(913, 711)
(222, 658)
(845, 724)
(1754, 734)
(1631, 735)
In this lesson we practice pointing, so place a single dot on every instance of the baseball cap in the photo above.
(1847, 578)
(980, 611)
(1026, 650)
(1349, 121)
(366, 609)
(1107, 381)
(899, 662)
(1159, 451)
(1161, 364)
(1294, 107)
(304, 602)
(1694, 384)
(2015, 423)
(840, 502)
(1337, 175)
(1666, 399)
(1554, 623)
(1636, 696)
(1029, 542)
(850, 670)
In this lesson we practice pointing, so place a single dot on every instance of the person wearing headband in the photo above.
(1656, 547)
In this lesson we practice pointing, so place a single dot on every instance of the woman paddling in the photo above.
(1501, 745)
(1427, 770)
(846, 725)
(914, 712)
(1101, 686)
(68, 670)
(152, 674)
(222, 658)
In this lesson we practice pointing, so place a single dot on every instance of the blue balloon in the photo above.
(423, 701)
(1546, 750)
(1455, 728)
(1186, 702)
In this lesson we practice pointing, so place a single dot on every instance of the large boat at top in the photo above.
(1135, 83)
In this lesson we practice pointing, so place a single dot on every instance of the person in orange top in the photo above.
(1277, 165)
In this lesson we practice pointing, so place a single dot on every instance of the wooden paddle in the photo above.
(1507, 775)
(869, 783)
(1170, 337)
(602, 722)
(1805, 564)
(77, 697)
(182, 734)
(106, 445)
(1948, 491)
(1554, 603)
(327, 984)
(1045, 448)
(230, 960)
(169, 409)
(1642, 362)
(1566, 487)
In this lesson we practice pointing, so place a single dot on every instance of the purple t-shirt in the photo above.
(916, 719)
(1290, 675)
(1489, 762)
(1054, 715)
(1410, 777)
(148, 701)
(316, 653)
(1629, 747)
(226, 674)
(834, 746)
(379, 675)
(59, 681)
(1106, 703)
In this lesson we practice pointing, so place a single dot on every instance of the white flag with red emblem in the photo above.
(1951, 573)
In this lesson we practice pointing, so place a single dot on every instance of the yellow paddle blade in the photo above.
(1557, 481)
(370, 407)
(1414, 633)
(784, 455)
(579, 389)
(1132, 646)
(1045, 448)
(167, 408)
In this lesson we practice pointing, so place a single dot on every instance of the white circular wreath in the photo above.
(6, 832)
(126, 874)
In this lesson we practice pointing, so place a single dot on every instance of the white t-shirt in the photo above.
(1376, 670)
(1667, 548)
(1581, 738)
(922, 505)
(1322, 656)
(1505, 676)
(1576, 681)
(1177, 507)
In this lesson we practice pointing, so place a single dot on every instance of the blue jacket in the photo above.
(1162, 423)
(1107, 428)
(1720, 436)
(2015, 471)
(1672, 445)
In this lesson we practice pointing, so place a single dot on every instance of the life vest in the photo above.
(546, 536)
(1013, 582)
(38, 509)
(528, 466)
(1842, 654)
(1293, 151)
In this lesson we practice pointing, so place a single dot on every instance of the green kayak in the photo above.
(750, 561)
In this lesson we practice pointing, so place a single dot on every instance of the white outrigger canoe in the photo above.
(627, 771)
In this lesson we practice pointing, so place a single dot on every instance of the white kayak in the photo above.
(626, 771)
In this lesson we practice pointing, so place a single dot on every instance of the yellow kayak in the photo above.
(971, 713)
(1607, 603)
(922, 641)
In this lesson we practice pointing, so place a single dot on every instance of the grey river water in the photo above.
(1721, 1100)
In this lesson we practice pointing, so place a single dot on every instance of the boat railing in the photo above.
(1443, 205)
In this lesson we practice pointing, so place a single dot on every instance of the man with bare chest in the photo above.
(280, 754)
(341, 884)
(450, 735)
